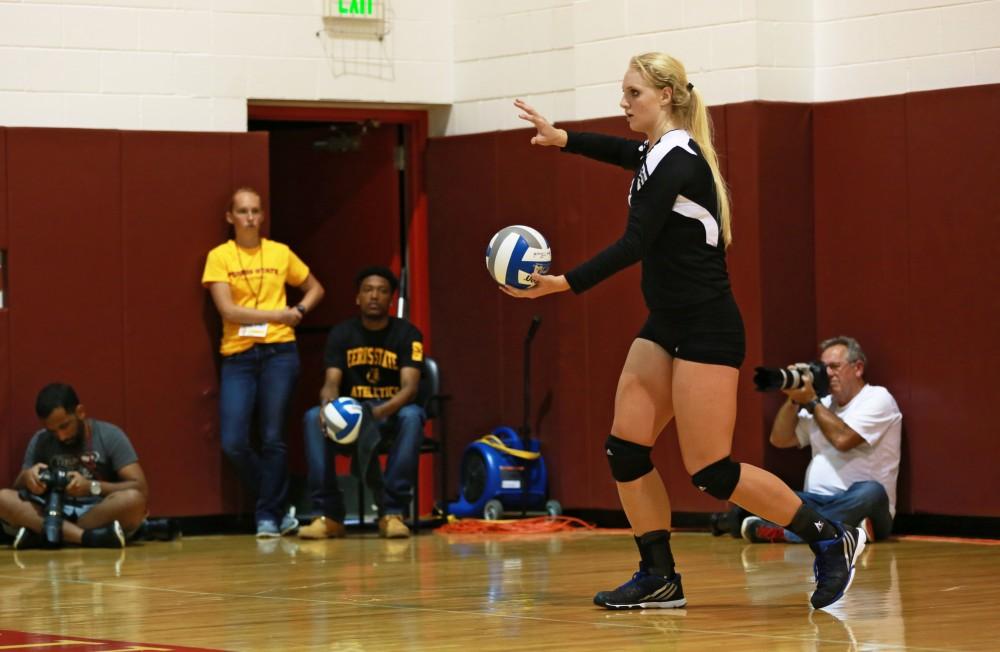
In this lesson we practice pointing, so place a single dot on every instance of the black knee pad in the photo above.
(718, 479)
(628, 461)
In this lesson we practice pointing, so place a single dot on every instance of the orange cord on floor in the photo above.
(534, 525)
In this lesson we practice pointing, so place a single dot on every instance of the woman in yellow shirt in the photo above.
(246, 277)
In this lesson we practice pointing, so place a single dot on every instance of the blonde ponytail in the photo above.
(662, 70)
(700, 127)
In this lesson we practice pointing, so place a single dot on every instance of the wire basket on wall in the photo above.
(353, 37)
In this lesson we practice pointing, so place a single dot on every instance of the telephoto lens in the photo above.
(767, 379)
(55, 481)
(53, 518)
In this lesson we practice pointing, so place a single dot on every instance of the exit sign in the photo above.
(355, 18)
(355, 8)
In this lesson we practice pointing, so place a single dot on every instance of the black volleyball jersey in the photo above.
(371, 360)
(673, 225)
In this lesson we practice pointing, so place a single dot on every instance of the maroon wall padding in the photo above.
(339, 212)
(170, 377)
(464, 302)
(11, 451)
(108, 237)
(8, 463)
(906, 210)
(66, 281)
(953, 163)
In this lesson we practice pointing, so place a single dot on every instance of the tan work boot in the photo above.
(391, 526)
(322, 528)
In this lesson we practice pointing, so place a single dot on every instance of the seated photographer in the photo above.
(855, 435)
(87, 468)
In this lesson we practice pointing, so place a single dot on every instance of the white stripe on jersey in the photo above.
(670, 140)
(688, 208)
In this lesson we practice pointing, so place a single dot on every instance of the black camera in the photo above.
(768, 380)
(56, 480)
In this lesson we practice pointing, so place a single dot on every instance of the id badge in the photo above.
(253, 330)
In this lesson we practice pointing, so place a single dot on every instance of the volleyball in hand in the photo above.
(342, 420)
(514, 253)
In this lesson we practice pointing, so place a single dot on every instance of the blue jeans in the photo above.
(262, 377)
(862, 500)
(405, 430)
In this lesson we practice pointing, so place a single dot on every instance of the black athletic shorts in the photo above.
(710, 332)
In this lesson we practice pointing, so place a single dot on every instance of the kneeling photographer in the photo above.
(80, 483)
(853, 430)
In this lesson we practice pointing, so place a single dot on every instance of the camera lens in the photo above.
(767, 379)
(792, 379)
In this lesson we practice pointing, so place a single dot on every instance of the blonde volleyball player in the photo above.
(685, 361)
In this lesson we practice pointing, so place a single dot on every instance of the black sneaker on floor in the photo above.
(25, 539)
(157, 529)
(644, 591)
(834, 566)
(719, 523)
(757, 530)
(728, 522)
(109, 536)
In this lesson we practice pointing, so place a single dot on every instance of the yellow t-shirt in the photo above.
(256, 278)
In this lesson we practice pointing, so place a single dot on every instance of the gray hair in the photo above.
(854, 350)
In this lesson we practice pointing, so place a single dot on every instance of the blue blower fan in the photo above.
(504, 471)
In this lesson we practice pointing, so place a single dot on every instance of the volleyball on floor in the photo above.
(514, 253)
(342, 420)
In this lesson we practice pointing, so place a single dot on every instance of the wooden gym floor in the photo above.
(475, 593)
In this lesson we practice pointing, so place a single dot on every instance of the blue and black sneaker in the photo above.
(644, 591)
(834, 566)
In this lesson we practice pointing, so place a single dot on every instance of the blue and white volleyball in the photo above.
(342, 419)
(514, 253)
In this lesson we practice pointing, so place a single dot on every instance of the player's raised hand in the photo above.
(547, 134)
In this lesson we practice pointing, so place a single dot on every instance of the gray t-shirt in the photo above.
(99, 459)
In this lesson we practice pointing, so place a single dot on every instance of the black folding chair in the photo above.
(430, 398)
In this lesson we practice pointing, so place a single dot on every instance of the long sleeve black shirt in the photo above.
(673, 225)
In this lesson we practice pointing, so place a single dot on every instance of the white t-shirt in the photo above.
(874, 415)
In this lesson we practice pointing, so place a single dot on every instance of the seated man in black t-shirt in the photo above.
(376, 359)
(105, 493)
